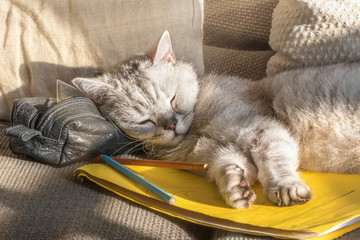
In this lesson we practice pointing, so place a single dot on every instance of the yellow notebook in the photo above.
(333, 210)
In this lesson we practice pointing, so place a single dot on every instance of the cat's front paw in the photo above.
(290, 194)
(237, 192)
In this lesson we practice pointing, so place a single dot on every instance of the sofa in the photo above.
(40, 201)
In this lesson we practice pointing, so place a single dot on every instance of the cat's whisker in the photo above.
(134, 139)
(188, 114)
(147, 146)
(124, 146)
(134, 147)
(119, 149)
(150, 147)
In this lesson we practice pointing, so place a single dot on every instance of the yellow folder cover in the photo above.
(333, 210)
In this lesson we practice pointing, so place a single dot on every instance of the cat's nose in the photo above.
(172, 125)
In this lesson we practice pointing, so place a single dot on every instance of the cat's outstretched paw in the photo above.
(290, 194)
(237, 192)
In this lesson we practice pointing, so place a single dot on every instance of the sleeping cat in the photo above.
(246, 131)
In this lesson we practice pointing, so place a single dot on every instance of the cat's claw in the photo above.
(290, 194)
(238, 193)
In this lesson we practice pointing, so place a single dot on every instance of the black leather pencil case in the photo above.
(62, 133)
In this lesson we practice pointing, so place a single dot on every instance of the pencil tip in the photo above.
(172, 201)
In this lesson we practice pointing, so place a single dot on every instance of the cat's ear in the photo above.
(92, 88)
(162, 50)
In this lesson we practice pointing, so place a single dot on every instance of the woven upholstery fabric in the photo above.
(238, 24)
(241, 63)
(45, 40)
(38, 201)
(314, 32)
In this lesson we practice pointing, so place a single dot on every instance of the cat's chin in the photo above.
(177, 139)
(167, 141)
(174, 141)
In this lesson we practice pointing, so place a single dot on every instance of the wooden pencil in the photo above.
(153, 188)
(157, 163)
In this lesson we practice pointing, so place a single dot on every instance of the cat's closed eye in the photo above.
(174, 107)
(179, 107)
(147, 121)
(172, 101)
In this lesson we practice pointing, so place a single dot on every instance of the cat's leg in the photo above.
(233, 175)
(275, 153)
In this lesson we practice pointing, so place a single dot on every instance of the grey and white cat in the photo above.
(246, 131)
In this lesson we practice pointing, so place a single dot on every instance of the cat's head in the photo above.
(149, 97)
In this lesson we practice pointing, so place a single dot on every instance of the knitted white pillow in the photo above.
(313, 33)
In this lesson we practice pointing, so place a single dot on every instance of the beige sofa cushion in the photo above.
(241, 63)
(314, 32)
(45, 40)
(238, 24)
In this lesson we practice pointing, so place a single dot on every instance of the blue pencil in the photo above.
(161, 193)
